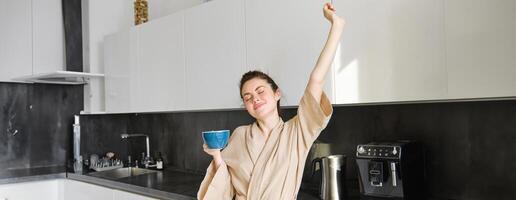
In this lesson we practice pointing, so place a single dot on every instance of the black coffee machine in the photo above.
(391, 170)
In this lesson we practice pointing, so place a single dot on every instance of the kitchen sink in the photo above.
(122, 172)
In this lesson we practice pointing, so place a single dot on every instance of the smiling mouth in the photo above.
(258, 106)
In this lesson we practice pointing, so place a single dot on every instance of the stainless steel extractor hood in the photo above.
(60, 77)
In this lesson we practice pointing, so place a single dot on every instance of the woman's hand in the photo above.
(330, 15)
(217, 156)
(211, 152)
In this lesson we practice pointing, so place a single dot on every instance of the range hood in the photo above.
(72, 74)
(60, 77)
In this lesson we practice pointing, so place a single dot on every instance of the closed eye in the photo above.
(260, 90)
(247, 98)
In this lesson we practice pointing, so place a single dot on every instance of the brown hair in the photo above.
(258, 74)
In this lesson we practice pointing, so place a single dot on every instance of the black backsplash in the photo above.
(36, 124)
(470, 146)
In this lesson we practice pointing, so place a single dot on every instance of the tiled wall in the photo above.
(36, 124)
(470, 146)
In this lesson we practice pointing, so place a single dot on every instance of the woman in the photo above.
(265, 160)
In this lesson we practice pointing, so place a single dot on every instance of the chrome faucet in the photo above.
(147, 159)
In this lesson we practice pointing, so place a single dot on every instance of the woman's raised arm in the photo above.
(316, 82)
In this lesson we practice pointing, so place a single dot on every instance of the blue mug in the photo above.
(216, 139)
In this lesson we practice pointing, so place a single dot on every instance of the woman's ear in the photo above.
(277, 94)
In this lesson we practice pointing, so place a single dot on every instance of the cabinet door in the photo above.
(48, 28)
(30, 190)
(84, 191)
(391, 50)
(121, 195)
(15, 39)
(161, 65)
(284, 39)
(481, 48)
(214, 54)
(120, 63)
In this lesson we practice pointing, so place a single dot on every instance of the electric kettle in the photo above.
(333, 170)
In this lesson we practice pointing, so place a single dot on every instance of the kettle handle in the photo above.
(314, 162)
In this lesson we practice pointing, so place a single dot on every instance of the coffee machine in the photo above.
(391, 170)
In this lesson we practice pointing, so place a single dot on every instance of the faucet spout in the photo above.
(147, 142)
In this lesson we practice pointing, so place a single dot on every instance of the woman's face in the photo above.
(259, 98)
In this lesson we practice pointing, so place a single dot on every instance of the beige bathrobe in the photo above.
(258, 169)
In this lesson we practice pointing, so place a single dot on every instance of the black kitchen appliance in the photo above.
(391, 170)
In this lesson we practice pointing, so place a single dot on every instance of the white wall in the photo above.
(161, 8)
(48, 45)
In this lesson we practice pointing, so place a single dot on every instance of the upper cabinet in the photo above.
(15, 39)
(145, 67)
(161, 65)
(191, 59)
(214, 54)
(481, 48)
(390, 51)
(31, 38)
(120, 73)
(284, 39)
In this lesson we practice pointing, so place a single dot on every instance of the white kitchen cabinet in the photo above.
(120, 52)
(284, 38)
(31, 190)
(481, 48)
(161, 65)
(31, 38)
(144, 67)
(64, 189)
(214, 54)
(122, 195)
(15, 39)
(391, 50)
(78, 190)
(48, 37)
